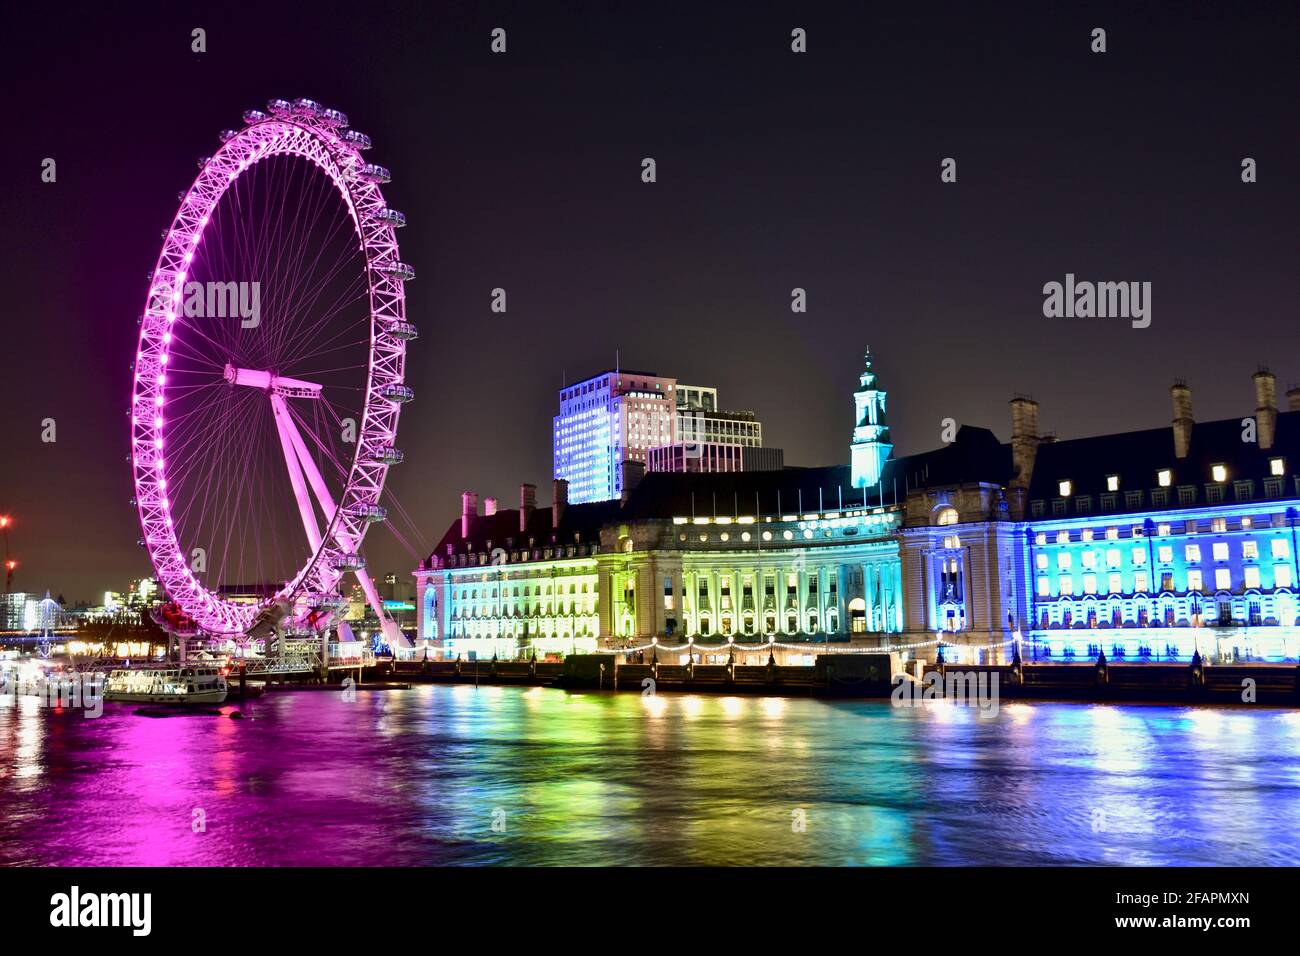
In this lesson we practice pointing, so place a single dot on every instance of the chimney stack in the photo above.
(1265, 407)
(1024, 438)
(527, 505)
(468, 509)
(559, 500)
(1293, 398)
(633, 472)
(489, 506)
(1183, 421)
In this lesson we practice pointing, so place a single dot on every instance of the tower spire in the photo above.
(871, 446)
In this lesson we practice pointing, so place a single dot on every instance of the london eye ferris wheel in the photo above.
(269, 377)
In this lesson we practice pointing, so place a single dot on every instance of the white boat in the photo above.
(167, 685)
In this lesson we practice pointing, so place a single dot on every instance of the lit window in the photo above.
(1281, 548)
(1194, 581)
(1139, 580)
(1250, 550)
(1112, 482)
(1112, 534)
(1162, 530)
(1062, 537)
(1166, 554)
(1090, 584)
(1139, 555)
(1248, 522)
(1043, 588)
(1065, 488)
(1067, 584)
(1220, 472)
(1219, 525)
(1090, 559)
(1041, 560)
(1192, 552)
(1222, 579)
(1063, 559)
(1282, 576)
(1252, 577)
(1113, 558)
(1086, 535)
(947, 516)
(1164, 477)
(1276, 466)
(1115, 582)
(1220, 551)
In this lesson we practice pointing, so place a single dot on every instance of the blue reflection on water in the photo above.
(537, 776)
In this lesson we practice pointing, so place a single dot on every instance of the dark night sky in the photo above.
(775, 170)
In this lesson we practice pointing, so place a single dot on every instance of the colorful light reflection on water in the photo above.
(414, 777)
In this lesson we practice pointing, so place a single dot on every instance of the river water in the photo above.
(459, 775)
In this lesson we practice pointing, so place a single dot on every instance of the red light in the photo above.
(4, 521)
(10, 565)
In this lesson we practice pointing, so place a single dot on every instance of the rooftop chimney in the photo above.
(559, 500)
(633, 472)
(489, 506)
(1265, 407)
(468, 509)
(1183, 422)
(527, 505)
(1024, 438)
(1293, 398)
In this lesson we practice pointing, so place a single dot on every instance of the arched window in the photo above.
(946, 516)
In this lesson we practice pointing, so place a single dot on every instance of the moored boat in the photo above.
(176, 684)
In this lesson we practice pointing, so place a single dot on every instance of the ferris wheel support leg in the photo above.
(290, 433)
(292, 455)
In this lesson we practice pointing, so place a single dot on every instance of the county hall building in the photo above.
(1151, 544)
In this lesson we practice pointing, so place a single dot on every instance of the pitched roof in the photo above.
(1136, 457)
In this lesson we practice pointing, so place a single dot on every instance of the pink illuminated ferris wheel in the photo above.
(269, 377)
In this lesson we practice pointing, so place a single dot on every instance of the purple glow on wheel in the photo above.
(329, 345)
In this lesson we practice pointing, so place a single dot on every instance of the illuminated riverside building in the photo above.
(1144, 545)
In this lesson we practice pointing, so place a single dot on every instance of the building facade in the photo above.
(607, 419)
(1155, 544)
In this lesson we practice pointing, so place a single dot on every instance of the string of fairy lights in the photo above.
(768, 645)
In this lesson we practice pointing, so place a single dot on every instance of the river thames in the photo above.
(494, 775)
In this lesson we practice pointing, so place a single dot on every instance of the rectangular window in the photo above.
(1194, 580)
(1066, 583)
(1252, 576)
(1043, 588)
(1281, 548)
(1282, 576)
(1222, 579)
(1192, 552)
(1220, 551)
(1218, 525)
(1186, 494)
(1112, 534)
(1112, 482)
(1139, 581)
(1090, 559)
(1115, 582)
(1165, 553)
(1250, 550)
(1164, 477)
(1090, 584)
(1040, 538)
(1040, 559)
(1063, 559)
(1167, 581)
(1276, 466)
(1114, 558)
(1139, 556)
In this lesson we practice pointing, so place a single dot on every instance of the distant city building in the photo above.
(713, 457)
(607, 419)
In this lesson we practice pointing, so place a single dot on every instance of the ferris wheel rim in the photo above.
(310, 136)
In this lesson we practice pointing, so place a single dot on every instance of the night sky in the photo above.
(775, 170)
